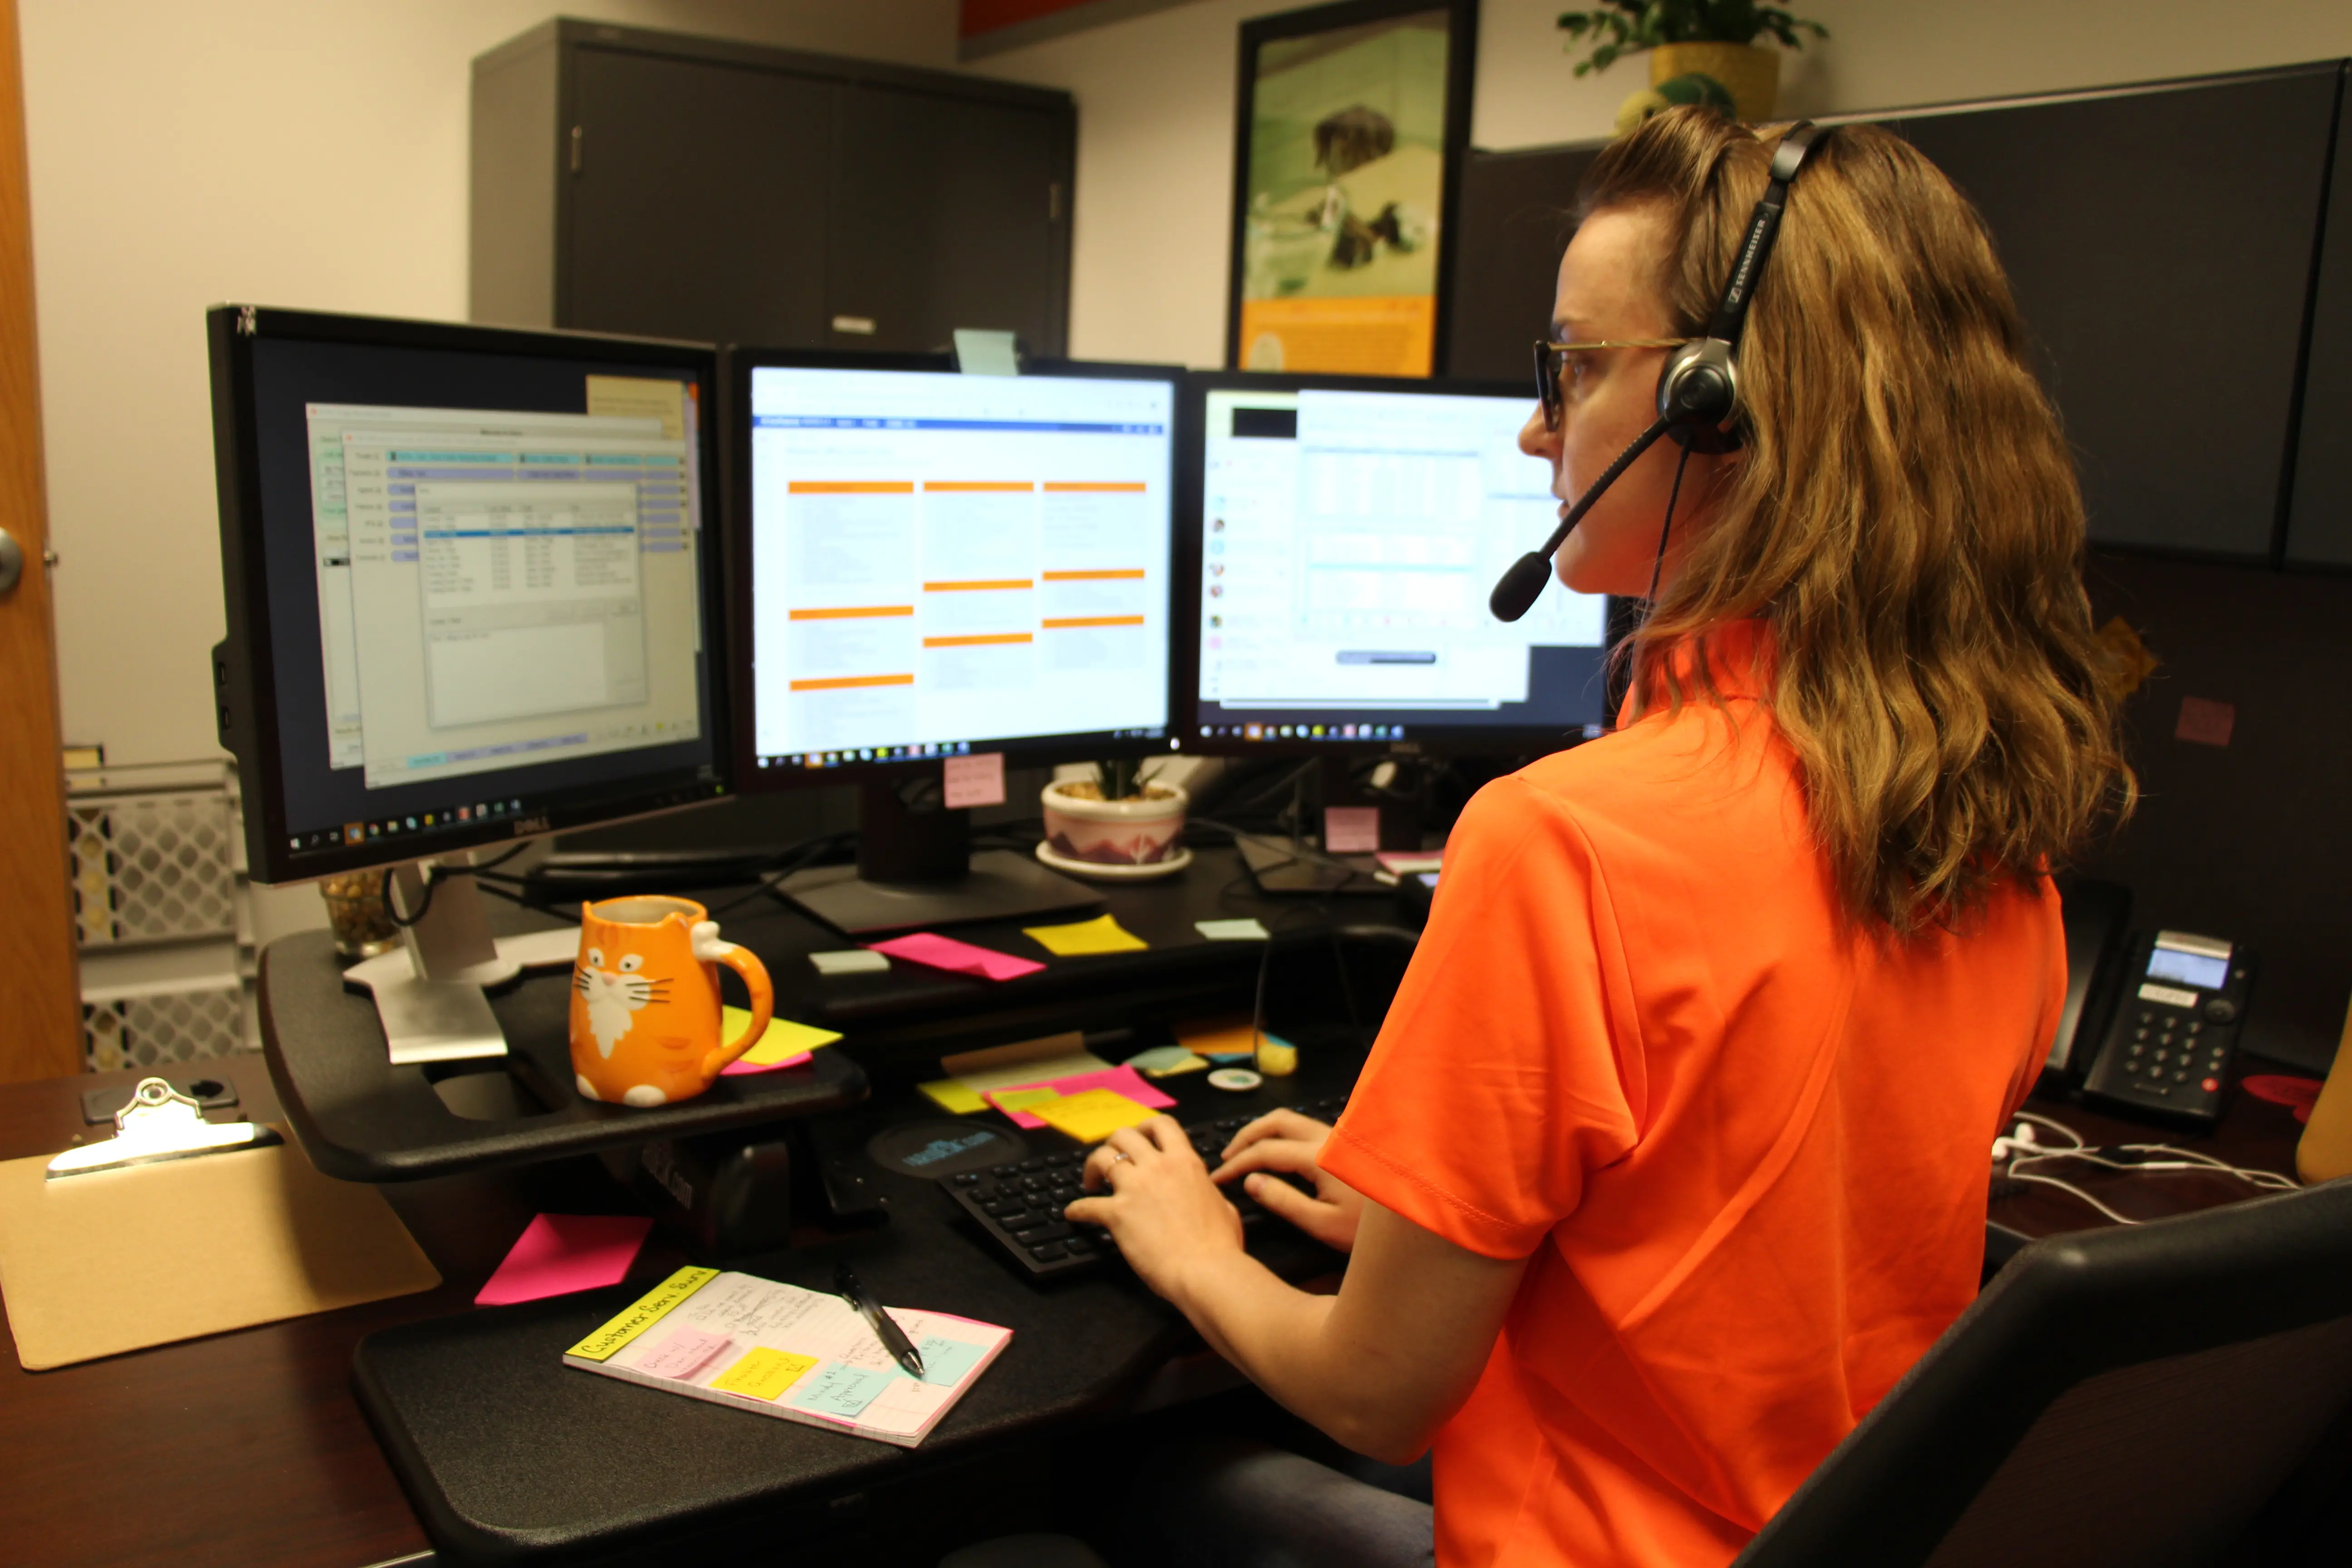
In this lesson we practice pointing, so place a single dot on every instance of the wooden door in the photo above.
(40, 1026)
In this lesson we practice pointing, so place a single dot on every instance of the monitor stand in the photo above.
(916, 868)
(430, 991)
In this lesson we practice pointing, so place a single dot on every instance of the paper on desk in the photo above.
(1093, 1115)
(785, 1045)
(1119, 1080)
(1046, 1057)
(561, 1253)
(1246, 929)
(957, 957)
(1101, 934)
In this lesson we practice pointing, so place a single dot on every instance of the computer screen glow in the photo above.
(942, 560)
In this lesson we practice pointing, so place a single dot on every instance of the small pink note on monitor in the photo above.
(960, 957)
(1123, 1080)
(1351, 829)
(974, 781)
(684, 1354)
(561, 1253)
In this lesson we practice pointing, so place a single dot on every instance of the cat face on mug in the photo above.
(614, 996)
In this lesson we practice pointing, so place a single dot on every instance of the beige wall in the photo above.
(1156, 112)
(297, 152)
(312, 152)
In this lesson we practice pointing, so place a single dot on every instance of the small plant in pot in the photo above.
(1116, 824)
(1713, 38)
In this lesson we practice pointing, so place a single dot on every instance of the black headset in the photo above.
(1698, 390)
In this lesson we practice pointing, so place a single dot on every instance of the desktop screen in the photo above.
(1349, 541)
(942, 563)
(484, 581)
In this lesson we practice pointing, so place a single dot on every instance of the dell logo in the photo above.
(529, 825)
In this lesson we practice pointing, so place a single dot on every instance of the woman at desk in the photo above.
(1671, 1155)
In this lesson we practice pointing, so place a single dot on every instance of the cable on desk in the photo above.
(2023, 1150)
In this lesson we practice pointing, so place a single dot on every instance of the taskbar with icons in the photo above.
(442, 820)
(1302, 732)
(856, 756)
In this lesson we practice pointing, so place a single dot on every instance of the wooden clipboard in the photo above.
(116, 1261)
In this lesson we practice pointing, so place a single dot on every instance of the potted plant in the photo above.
(1116, 824)
(1714, 39)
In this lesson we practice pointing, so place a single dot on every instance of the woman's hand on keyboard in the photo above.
(1149, 1189)
(1292, 1144)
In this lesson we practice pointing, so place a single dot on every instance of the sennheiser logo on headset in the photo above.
(1698, 390)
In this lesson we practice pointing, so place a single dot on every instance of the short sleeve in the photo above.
(1509, 1064)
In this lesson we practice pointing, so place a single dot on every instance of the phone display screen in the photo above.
(2201, 970)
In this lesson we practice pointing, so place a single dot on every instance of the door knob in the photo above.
(12, 562)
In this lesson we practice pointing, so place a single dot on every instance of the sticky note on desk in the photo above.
(955, 1096)
(1246, 930)
(945, 1361)
(1101, 934)
(1012, 1100)
(957, 957)
(684, 1354)
(836, 1388)
(1124, 1081)
(785, 1045)
(1093, 1114)
(560, 1253)
(850, 961)
(763, 1374)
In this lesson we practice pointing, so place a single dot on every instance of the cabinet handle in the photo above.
(1054, 202)
(578, 134)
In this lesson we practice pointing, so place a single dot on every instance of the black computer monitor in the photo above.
(471, 591)
(936, 565)
(1341, 536)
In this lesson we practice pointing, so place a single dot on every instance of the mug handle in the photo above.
(743, 962)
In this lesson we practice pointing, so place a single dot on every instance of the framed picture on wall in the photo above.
(1348, 149)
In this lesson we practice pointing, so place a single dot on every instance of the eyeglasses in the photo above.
(1547, 367)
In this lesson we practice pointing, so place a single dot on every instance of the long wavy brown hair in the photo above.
(1903, 514)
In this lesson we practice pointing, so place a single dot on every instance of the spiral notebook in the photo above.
(778, 1349)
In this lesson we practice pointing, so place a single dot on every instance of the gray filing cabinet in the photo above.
(650, 182)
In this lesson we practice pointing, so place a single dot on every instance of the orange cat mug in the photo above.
(644, 1000)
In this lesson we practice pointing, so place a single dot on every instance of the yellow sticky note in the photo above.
(1091, 1115)
(763, 1374)
(783, 1039)
(641, 398)
(1101, 934)
(643, 1313)
(1025, 1098)
(955, 1096)
(1217, 1038)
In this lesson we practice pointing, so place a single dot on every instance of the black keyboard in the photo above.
(1020, 1204)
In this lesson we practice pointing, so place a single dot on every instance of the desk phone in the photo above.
(2175, 1028)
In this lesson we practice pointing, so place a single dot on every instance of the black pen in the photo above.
(893, 1338)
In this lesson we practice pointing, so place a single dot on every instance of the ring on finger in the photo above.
(1119, 1154)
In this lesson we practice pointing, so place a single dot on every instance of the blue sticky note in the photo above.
(836, 1388)
(945, 1361)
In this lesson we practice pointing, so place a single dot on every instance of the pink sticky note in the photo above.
(960, 957)
(561, 1253)
(974, 781)
(1126, 1080)
(742, 1064)
(1351, 829)
(684, 1354)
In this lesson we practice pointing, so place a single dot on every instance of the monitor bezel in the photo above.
(1467, 740)
(753, 779)
(245, 663)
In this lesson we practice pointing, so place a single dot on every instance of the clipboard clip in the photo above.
(161, 1123)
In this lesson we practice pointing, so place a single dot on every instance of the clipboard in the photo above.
(183, 1233)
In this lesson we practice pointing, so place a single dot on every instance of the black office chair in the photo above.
(2133, 1396)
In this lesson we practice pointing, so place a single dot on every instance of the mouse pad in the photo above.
(943, 1148)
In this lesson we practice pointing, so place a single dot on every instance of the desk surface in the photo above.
(252, 1444)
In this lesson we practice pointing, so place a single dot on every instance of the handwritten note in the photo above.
(958, 957)
(1093, 1115)
(945, 1361)
(684, 1354)
(836, 1388)
(1351, 829)
(764, 1373)
(1101, 934)
(973, 780)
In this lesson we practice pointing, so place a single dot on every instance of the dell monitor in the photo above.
(472, 596)
(938, 566)
(1348, 531)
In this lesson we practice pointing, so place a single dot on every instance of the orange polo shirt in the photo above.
(1746, 1148)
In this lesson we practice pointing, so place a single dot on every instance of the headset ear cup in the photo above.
(1698, 396)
